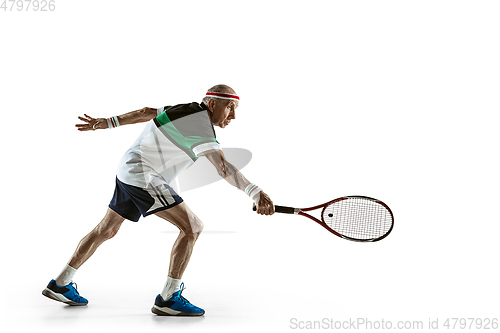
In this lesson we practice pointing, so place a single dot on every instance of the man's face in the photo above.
(223, 112)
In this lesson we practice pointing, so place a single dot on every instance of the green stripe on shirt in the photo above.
(187, 142)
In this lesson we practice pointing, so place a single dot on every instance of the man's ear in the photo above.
(211, 105)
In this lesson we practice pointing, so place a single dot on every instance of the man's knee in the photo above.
(110, 233)
(109, 226)
(198, 227)
(195, 227)
(105, 233)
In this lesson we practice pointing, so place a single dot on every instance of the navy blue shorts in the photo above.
(132, 201)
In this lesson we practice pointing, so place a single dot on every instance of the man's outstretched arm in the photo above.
(138, 116)
(234, 177)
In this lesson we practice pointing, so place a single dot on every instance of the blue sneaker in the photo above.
(67, 294)
(176, 305)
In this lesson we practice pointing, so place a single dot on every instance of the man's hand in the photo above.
(264, 204)
(92, 123)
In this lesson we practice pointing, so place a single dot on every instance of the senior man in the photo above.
(173, 139)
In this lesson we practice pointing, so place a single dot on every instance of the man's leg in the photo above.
(105, 230)
(60, 289)
(170, 301)
(190, 227)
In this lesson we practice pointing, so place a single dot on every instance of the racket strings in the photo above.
(358, 218)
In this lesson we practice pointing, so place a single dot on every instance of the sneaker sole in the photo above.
(60, 298)
(169, 312)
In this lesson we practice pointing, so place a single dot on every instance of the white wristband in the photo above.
(113, 122)
(251, 190)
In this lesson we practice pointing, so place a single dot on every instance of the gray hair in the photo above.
(220, 88)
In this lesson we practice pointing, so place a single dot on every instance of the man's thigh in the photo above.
(182, 217)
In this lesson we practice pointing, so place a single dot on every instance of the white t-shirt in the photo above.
(169, 144)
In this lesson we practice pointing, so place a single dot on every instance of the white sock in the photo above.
(171, 287)
(66, 276)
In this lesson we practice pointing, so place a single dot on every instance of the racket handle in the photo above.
(284, 209)
(280, 209)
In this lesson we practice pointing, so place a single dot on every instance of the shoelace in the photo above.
(76, 287)
(183, 299)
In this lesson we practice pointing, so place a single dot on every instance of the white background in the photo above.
(396, 100)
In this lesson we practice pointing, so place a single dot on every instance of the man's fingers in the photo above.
(84, 127)
(87, 119)
(267, 209)
(84, 119)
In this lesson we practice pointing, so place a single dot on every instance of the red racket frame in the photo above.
(291, 210)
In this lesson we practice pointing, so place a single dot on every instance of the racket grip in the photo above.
(284, 209)
(280, 209)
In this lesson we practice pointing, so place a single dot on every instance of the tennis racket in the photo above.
(356, 218)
